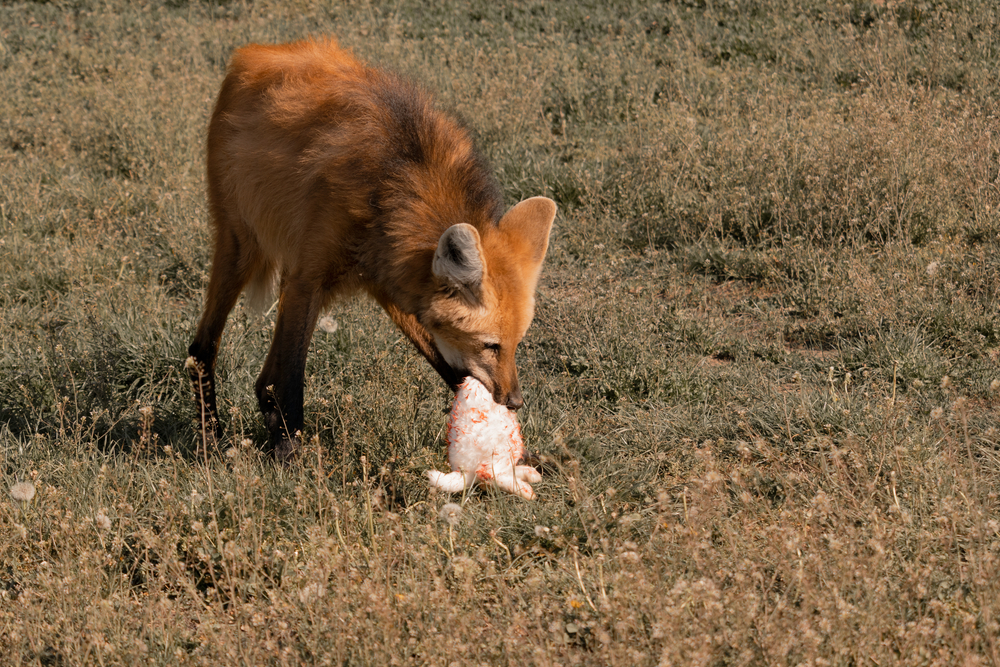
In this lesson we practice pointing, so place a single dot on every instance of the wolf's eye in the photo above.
(493, 347)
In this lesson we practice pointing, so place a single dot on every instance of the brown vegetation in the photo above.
(762, 377)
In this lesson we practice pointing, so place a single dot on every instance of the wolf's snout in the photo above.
(514, 400)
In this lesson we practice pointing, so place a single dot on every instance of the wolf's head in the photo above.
(485, 294)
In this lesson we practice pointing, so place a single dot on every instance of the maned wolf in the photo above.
(326, 176)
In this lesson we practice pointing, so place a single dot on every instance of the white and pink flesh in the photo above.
(484, 445)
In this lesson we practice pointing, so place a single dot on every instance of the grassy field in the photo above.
(763, 375)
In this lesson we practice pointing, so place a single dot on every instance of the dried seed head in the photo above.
(102, 521)
(23, 491)
(451, 513)
(312, 591)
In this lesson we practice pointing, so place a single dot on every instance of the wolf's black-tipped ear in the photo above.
(458, 261)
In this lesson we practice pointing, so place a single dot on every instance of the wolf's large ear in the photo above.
(528, 224)
(458, 261)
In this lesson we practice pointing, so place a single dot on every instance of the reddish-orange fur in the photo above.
(334, 176)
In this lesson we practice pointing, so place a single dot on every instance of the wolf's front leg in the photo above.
(281, 384)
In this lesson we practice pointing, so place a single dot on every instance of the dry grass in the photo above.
(763, 375)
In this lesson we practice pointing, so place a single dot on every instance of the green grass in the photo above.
(763, 375)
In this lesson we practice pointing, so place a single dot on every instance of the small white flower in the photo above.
(933, 268)
(945, 382)
(451, 513)
(937, 413)
(328, 324)
(995, 386)
(23, 491)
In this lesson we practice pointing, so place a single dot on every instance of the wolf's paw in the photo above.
(286, 451)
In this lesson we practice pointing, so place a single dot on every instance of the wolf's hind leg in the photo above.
(231, 269)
